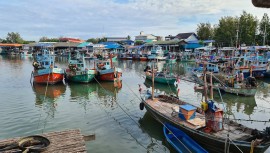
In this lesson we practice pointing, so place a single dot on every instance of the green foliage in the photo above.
(92, 40)
(247, 28)
(205, 31)
(46, 39)
(225, 31)
(138, 43)
(264, 30)
(128, 37)
(14, 37)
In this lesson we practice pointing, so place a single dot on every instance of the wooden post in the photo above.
(153, 81)
(211, 86)
(205, 83)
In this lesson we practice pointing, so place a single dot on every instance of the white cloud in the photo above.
(92, 18)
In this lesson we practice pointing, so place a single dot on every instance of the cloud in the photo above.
(91, 18)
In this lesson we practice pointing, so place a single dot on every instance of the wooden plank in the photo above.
(62, 141)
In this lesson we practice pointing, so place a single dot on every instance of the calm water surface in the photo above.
(112, 114)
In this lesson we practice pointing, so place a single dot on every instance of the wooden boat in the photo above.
(181, 142)
(45, 70)
(77, 70)
(107, 72)
(160, 77)
(143, 57)
(247, 88)
(205, 124)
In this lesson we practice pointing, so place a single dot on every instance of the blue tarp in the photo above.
(112, 45)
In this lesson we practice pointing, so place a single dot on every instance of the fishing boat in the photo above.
(106, 71)
(45, 70)
(181, 142)
(160, 76)
(77, 70)
(156, 53)
(205, 124)
(143, 57)
(228, 83)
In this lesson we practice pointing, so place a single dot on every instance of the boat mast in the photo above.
(205, 83)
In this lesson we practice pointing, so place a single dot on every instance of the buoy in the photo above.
(141, 106)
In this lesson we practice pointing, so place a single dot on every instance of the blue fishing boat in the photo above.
(181, 141)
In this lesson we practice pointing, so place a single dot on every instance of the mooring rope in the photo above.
(129, 117)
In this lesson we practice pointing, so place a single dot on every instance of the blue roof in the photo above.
(193, 46)
(197, 41)
(112, 45)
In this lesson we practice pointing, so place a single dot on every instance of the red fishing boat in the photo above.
(45, 70)
(108, 72)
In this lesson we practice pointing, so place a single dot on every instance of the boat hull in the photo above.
(240, 91)
(143, 59)
(108, 75)
(180, 141)
(210, 143)
(50, 76)
(162, 80)
(81, 76)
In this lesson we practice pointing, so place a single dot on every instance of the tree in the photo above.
(247, 28)
(225, 31)
(13, 37)
(128, 37)
(204, 31)
(46, 39)
(264, 28)
(92, 40)
(137, 43)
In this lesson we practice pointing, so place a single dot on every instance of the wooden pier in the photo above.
(63, 141)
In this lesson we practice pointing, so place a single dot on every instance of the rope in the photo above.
(125, 113)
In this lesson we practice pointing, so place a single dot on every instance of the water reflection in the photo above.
(167, 89)
(49, 93)
(154, 129)
(106, 92)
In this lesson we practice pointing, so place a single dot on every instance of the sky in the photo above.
(86, 19)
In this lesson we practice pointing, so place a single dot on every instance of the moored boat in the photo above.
(77, 70)
(205, 124)
(107, 72)
(181, 142)
(45, 70)
(160, 77)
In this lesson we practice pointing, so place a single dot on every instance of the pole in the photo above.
(211, 86)
(153, 81)
(205, 83)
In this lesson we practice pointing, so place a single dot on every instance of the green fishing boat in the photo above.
(160, 77)
(77, 71)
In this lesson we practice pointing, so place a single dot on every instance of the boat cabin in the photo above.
(103, 65)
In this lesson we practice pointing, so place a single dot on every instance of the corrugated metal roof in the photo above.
(84, 44)
(66, 44)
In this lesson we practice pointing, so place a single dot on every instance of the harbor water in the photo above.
(111, 113)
